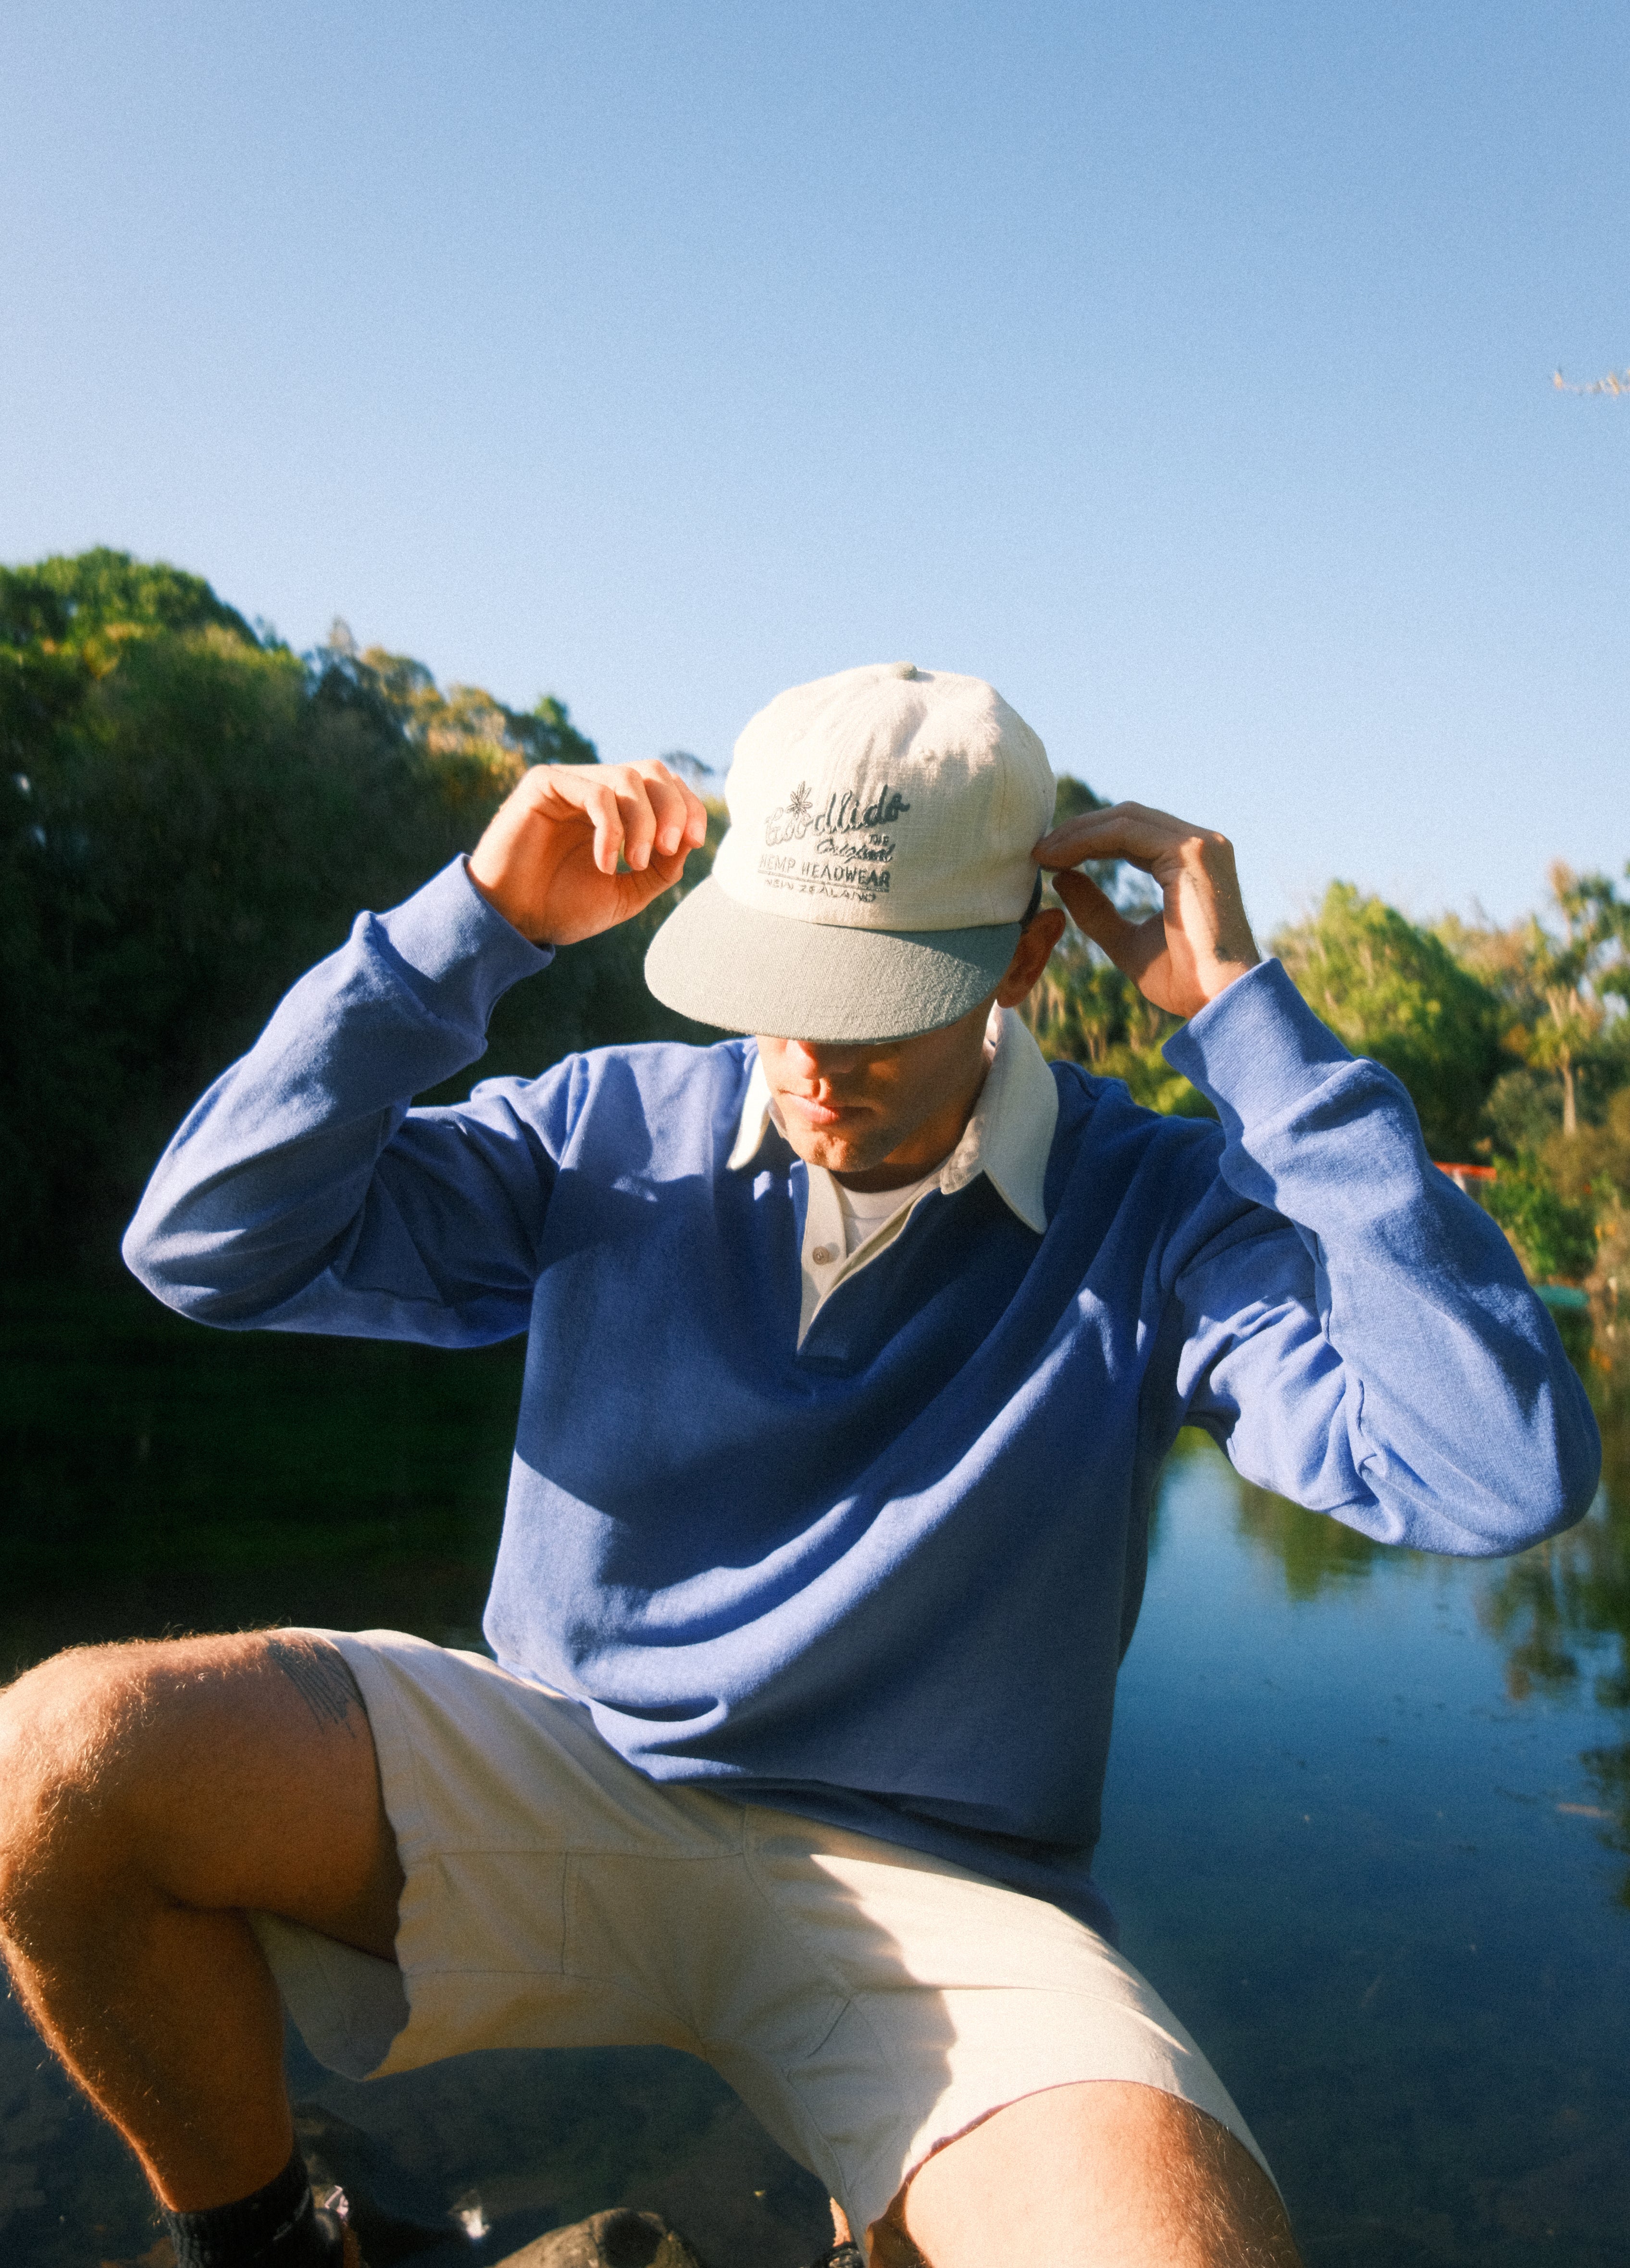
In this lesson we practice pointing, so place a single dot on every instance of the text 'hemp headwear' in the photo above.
(877, 865)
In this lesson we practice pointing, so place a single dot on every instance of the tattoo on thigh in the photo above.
(322, 1677)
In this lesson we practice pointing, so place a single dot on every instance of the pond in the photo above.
(1367, 1826)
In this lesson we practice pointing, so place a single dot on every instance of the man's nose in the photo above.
(816, 1059)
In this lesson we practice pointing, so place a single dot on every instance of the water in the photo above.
(1363, 1848)
(1368, 1821)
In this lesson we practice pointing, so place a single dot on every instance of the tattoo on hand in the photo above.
(320, 1675)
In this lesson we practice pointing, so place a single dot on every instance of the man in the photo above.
(854, 1351)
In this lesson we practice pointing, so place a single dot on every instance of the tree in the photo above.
(191, 815)
(1398, 993)
(1576, 976)
(1563, 994)
(1554, 1235)
(107, 595)
(466, 721)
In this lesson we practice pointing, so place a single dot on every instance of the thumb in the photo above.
(1099, 916)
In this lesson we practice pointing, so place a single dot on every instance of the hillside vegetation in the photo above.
(191, 813)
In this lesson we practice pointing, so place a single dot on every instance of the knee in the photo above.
(71, 1749)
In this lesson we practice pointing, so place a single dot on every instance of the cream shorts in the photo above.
(869, 2004)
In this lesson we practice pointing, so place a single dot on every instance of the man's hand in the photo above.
(548, 858)
(1199, 942)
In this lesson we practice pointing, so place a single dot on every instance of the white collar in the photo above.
(1008, 1138)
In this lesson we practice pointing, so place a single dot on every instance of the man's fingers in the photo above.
(1131, 831)
(640, 822)
(678, 815)
(1201, 940)
(600, 804)
(612, 799)
(1097, 915)
(576, 848)
(639, 812)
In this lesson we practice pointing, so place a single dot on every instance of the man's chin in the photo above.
(839, 1152)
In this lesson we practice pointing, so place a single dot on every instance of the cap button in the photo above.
(902, 669)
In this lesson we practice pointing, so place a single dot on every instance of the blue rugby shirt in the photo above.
(884, 1576)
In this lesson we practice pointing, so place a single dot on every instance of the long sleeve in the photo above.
(302, 1193)
(1384, 1360)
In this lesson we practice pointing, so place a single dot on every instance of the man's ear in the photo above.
(1031, 954)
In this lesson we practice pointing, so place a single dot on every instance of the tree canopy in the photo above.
(1396, 993)
(190, 814)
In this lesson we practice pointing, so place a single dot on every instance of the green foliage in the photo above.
(1523, 1111)
(1593, 1167)
(1557, 1120)
(1562, 991)
(1396, 993)
(107, 595)
(1085, 1010)
(138, 1445)
(1555, 1238)
(189, 817)
(465, 722)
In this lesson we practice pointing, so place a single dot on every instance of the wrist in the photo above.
(1215, 980)
(504, 902)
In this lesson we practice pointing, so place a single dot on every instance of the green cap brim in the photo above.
(725, 964)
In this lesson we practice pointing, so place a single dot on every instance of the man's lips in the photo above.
(816, 1115)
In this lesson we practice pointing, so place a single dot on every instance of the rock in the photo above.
(619, 2239)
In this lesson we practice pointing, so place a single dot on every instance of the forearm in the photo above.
(1447, 1404)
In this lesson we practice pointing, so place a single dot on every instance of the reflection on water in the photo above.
(1365, 1826)
(1355, 1827)
(1313, 1554)
(1562, 1615)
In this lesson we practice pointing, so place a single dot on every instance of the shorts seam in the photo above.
(808, 1944)
(848, 2005)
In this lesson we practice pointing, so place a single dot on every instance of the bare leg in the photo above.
(1108, 2175)
(149, 1794)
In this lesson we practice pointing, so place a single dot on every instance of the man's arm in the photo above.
(302, 1193)
(1383, 1359)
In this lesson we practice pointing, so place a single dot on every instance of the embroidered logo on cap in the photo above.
(851, 856)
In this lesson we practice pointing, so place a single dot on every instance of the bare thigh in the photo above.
(218, 1772)
(1105, 2174)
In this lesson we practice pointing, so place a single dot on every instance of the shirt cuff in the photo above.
(447, 932)
(1257, 1049)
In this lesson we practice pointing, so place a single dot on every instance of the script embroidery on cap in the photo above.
(851, 857)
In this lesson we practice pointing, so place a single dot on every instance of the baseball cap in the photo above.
(877, 865)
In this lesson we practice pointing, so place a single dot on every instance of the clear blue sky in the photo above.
(1183, 369)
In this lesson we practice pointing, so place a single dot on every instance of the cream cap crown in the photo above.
(887, 798)
(877, 865)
